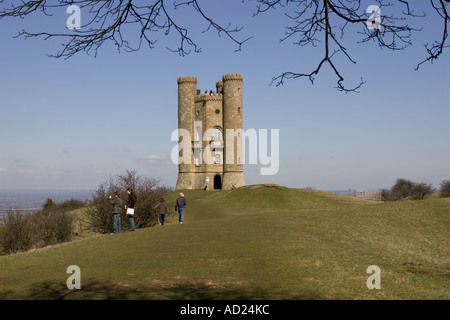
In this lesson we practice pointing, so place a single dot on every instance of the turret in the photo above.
(187, 91)
(233, 173)
(219, 87)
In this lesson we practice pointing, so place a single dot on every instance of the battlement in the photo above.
(231, 77)
(186, 80)
(208, 97)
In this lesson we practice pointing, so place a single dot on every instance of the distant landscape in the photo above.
(33, 200)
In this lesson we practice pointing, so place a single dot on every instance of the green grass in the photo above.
(256, 242)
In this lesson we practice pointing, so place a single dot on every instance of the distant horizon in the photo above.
(312, 188)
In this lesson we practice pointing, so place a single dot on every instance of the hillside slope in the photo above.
(256, 242)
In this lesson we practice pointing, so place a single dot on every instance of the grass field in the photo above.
(256, 242)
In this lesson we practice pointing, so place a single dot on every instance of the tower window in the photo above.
(217, 134)
(217, 111)
(198, 134)
(239, 110)
(217, 159)
(197, 157)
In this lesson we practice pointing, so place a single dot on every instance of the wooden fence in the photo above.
(368, 194)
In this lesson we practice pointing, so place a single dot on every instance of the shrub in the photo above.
(71, 204)
(402, 189)
(420, 190)
(147, 190)
(406, 189)
(48, 204)
(99, 211)
(22, 231)
(386, 195)
(52, 226)
(16, 232)
(445, 189)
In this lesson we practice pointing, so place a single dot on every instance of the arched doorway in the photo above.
(217, 182)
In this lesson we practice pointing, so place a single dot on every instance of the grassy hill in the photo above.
(256, 242)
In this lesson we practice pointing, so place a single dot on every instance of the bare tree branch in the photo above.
(315, 17)
(228, 31)
(110, 18)
(436, 49)
(317, 23)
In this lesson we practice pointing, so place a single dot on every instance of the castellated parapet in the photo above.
(233, 76)
(186, 79)
(213, 124)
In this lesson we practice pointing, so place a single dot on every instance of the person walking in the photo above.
(116, 203)
(130, 207)
(180, 205)
(162, 210)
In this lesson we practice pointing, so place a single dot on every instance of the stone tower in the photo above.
(187, 90)
(212, 158)
(233, 173)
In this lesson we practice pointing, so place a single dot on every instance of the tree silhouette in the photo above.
(323, 23)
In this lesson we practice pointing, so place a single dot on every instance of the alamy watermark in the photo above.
(74, 20)
(74, 281)
(374, 281)
(236, 139)
(374, 20)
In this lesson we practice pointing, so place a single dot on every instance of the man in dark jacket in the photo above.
(180, 205)
(117, 210)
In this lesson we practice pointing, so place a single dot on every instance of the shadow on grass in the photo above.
(48, 290)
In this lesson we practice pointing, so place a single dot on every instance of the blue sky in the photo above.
(72, 124)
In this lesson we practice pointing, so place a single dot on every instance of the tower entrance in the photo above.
(217, 182)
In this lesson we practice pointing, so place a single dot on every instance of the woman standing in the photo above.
(130, 207)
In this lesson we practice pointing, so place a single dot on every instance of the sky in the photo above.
(74, 123)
